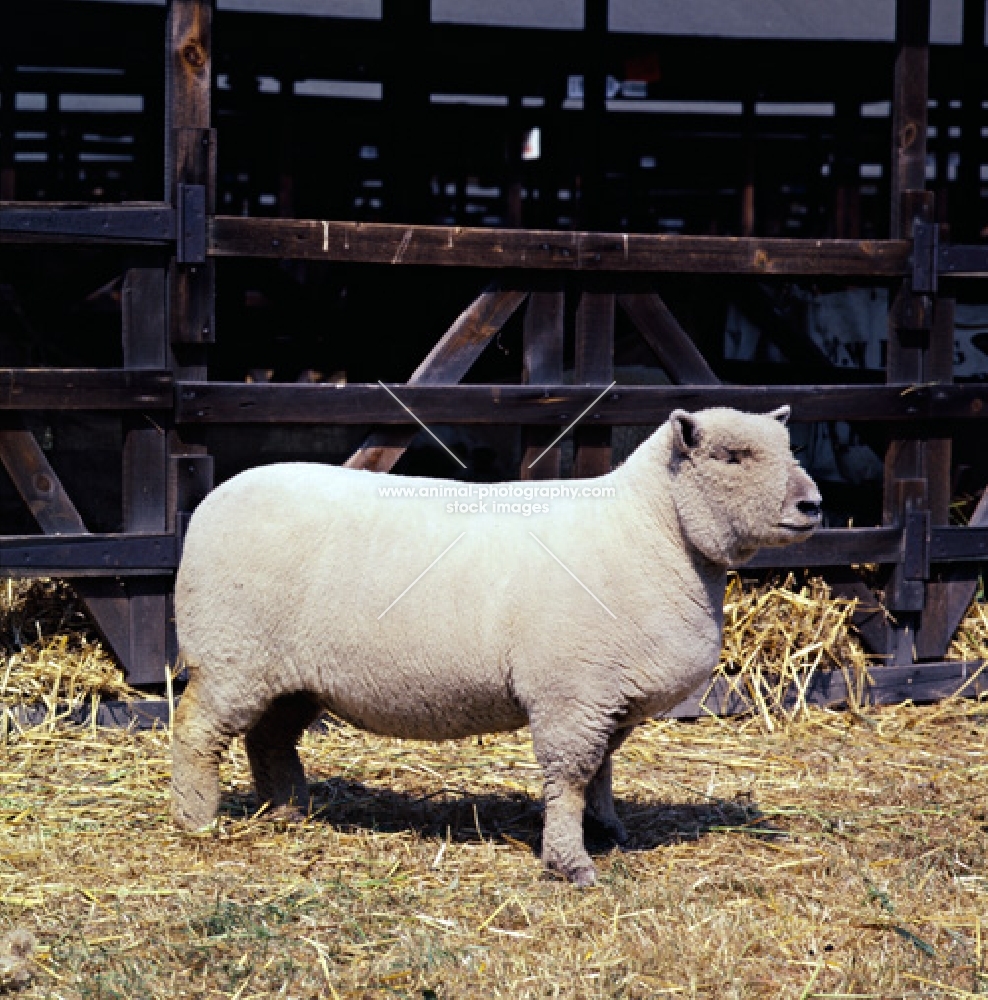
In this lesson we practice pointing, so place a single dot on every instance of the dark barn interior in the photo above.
(829, 159)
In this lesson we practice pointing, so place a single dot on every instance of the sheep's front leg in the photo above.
(563, 849)
(570, 756)
(600, 796)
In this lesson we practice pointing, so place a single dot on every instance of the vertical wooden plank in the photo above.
(145, 457)
(594, 364)
(908, 342)
(592, 210)
(542, 362)
(936, 627)
(910, 94)
(187, 78)
(171, 320)
(192, 285)
(939, 367)
(190, 158)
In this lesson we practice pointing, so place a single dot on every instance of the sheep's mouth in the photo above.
(800, 529)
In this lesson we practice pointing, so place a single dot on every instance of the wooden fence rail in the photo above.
(166, 401)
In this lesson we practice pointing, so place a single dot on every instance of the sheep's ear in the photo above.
(685, 431)
(782, 414)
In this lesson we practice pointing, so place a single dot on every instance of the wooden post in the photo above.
(594, 366)
(145, 458)
(542, 350)
(190, 162)
(167, 321)
(907, 493)
(592, 210)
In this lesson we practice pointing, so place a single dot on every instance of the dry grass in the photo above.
(837, 858)
(835, 855)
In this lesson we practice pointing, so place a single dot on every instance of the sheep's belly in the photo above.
(416, 707)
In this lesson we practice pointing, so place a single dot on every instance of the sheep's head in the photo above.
(737, 486)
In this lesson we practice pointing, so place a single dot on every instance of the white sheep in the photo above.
(580, 622)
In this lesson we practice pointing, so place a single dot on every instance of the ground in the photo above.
(845, 855)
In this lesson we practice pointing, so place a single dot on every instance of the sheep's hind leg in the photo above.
(279, 778)
(600, 809)
(198, 742)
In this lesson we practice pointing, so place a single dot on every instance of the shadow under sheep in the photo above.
(352, 805)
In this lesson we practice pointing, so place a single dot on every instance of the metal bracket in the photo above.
(926, 244)
(916, 545)
(191, 207)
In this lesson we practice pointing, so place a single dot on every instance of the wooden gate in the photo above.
(166, 399)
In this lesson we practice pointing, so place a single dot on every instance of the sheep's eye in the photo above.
(732, 456)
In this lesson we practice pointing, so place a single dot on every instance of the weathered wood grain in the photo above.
(84, 389)
(454, 246)
(358, 403)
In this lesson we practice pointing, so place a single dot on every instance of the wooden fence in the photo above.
(166, 400)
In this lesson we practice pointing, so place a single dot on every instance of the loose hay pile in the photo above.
(777, 636)
(49, 649)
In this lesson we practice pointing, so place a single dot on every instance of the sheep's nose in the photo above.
(811, 508)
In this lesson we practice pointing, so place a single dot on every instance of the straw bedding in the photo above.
(831, 855)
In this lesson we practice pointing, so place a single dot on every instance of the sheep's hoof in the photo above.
(575, 872)
(189, 822)
(583, 876)
(286, 813)
(192, 829)
(605, 831)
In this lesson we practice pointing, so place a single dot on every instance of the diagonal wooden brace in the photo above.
(446, 363)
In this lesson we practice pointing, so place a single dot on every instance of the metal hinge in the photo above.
(926, 245)
(191, 228)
